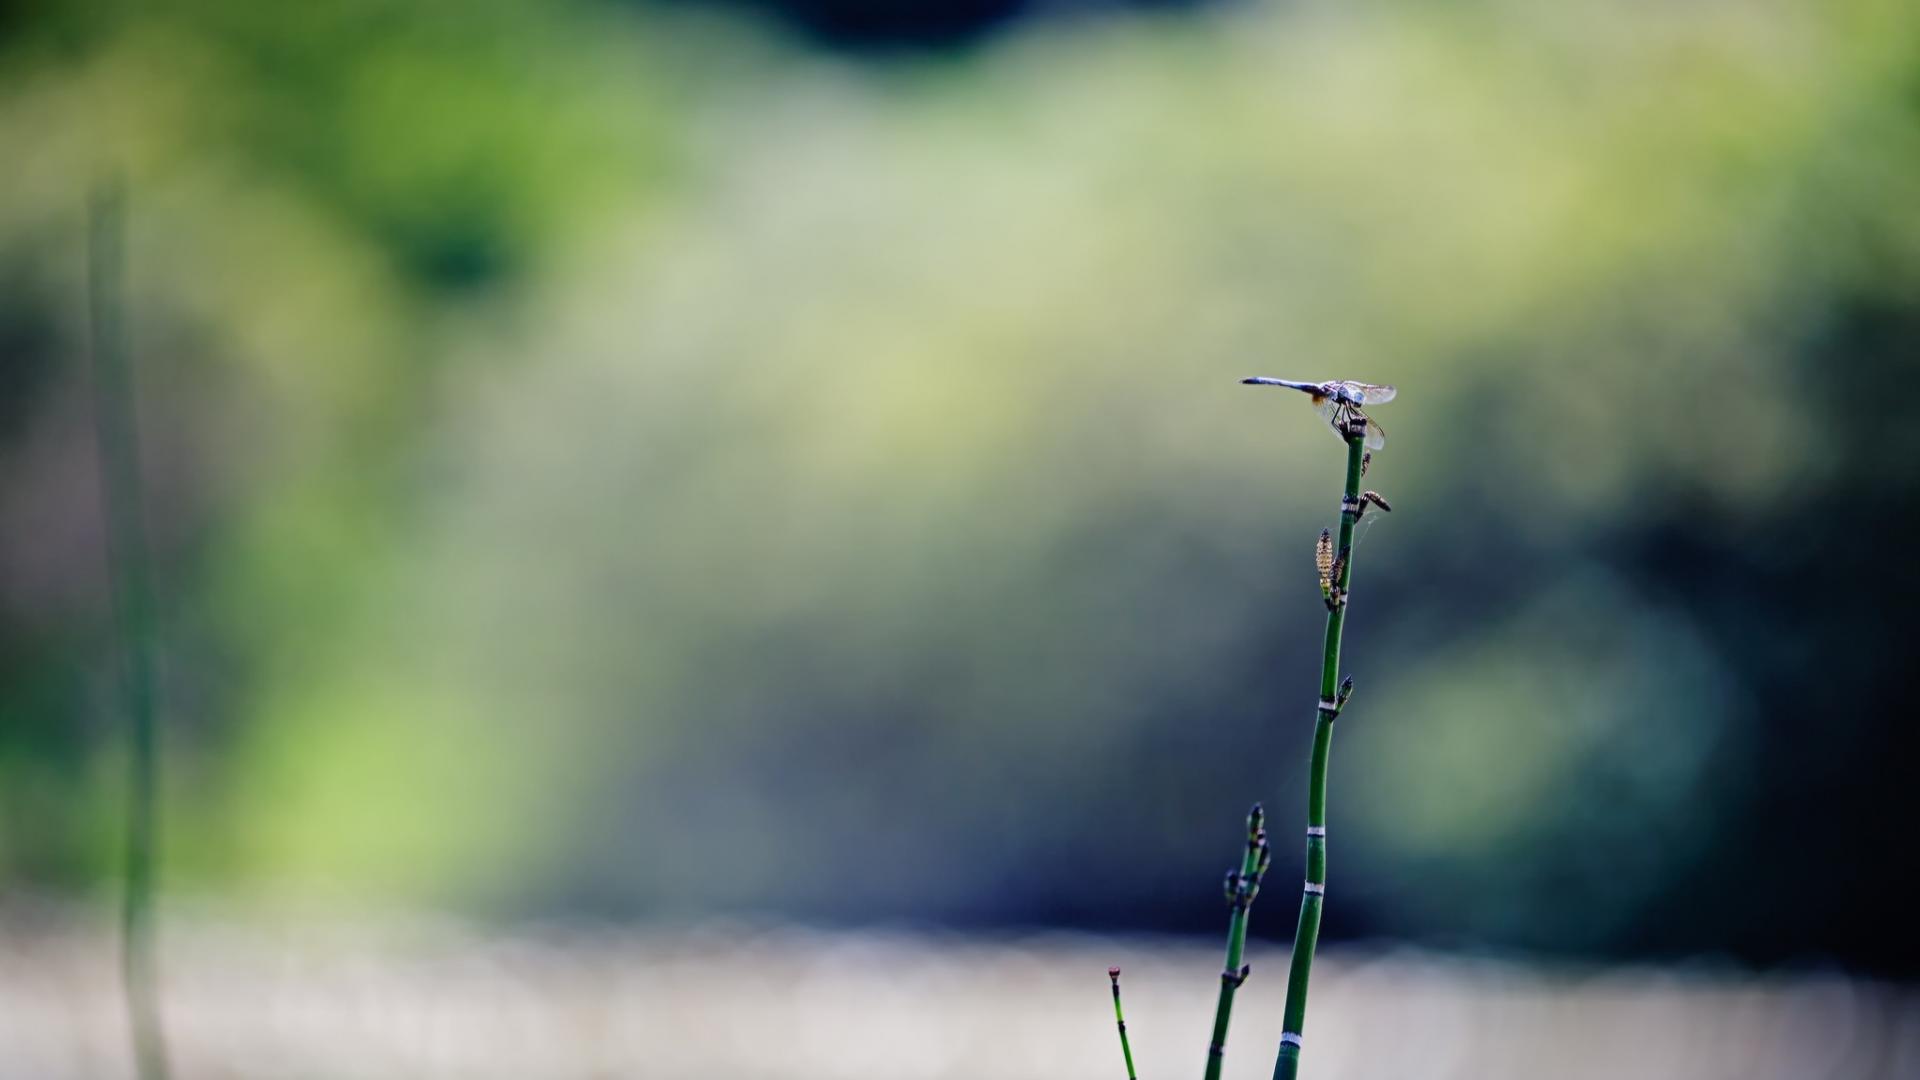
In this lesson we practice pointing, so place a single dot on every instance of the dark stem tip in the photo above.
(1113, 973)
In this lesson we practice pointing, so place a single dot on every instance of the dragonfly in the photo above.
(1339, 402)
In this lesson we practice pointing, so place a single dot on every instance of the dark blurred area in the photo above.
(669, 461)
(879, 26)
(874, 24)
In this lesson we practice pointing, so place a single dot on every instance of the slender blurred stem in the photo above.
(1242, 887)
(1120, 1021)
(1307, 933)
(120, 492)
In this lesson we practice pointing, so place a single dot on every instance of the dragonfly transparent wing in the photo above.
(1329, 411)
(1369, 394)
(1376, 435)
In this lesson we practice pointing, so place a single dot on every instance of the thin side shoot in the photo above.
(1120, 1021)
(1241, 887)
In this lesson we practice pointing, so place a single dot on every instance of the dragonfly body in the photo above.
(1339, 401)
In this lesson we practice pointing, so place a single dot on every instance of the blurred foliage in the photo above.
(615, 458)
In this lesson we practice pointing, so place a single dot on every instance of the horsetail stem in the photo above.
(1333, 695)
(1120, 1021)
(1242, 886)
(120, 495)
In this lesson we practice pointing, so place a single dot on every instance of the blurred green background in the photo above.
(785, 460)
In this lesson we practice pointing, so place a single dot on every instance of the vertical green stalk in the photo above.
(1242, 886)
(1120, 1021)
(1307, 934)
(120, 492)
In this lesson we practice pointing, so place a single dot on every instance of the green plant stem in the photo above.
(1242, 887)
(120, 492)
(1120, 1021)
(1307, 933)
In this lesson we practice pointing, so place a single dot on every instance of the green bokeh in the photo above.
(615, 458)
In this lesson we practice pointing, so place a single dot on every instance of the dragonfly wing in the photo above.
(1370, 394)
(1376, 435)
(1329, 411)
